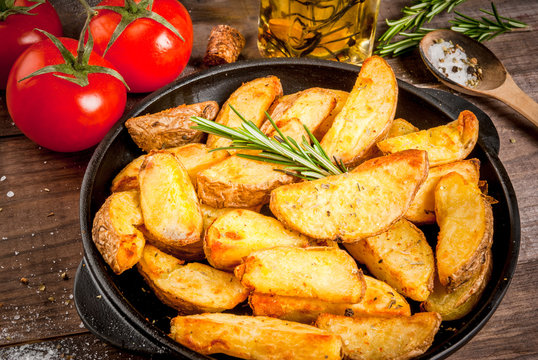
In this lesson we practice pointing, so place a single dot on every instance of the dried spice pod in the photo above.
(224, 45)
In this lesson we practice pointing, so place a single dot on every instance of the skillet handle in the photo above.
(103, 320)
(488, 135)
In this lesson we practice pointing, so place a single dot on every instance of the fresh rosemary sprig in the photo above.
(301, 160)
(486, 29)
(479, 30)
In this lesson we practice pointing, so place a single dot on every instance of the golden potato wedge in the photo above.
(251, 100)
(455, 305)
(291, 127)
(194, 157)
(401, 256)
(254, 337)
(311, 107)
(422, 209)
(355, 205)
(170, 128)
(401, 127)
(366, 116)
(465, 224)
(237, 233)
(239, 183)
(171, 212)
(379, 299)
(341, 98)
(325, 273)
(444, 144)
(115, 232)
(381, 338)
(191, 288)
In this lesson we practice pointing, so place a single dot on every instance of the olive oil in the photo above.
(340, 30)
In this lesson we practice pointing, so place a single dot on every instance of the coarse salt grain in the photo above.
(3, 178)
(10, 194)
(452, 61)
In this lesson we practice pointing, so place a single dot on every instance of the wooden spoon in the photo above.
(495, 83)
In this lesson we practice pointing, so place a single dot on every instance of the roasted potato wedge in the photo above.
(251, 100)
(291, 127)
(115, 231)
(444, 144)
(325, 273)
(422, 209)
(191, 288)
(455, 305)
(401, 127)
(194, 157)
(172, 216)
(170, 128)
(254, 337)
(401, 256)
(237, 233)
(381, 338)
(341, 98)
(311, 107)
(379, 299)
(366, 116)
(465, 224)
(355, 205)
(239, 183)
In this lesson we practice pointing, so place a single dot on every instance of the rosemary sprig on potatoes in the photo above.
(302, 160)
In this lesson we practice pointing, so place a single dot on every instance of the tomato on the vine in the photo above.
(17, 24)
(54, 111)
(148, 52)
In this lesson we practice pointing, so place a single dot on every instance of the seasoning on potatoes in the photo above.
(380, 299)
(238, 233)
(465, 229)
(170, 208)
(355, 205)
(115, 232)
(259, 337)
(191, 288)
(458, 303)
(366, 116)
(251, 100)
(401, 256)
(444, 144)
(422, 209)
(194, 157)
(382, 338)
(325, 273)
(170, 128)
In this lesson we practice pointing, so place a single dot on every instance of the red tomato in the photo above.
(146, 54)
(56, 113)
(17, 33)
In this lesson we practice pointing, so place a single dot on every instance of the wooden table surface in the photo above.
(39, 224)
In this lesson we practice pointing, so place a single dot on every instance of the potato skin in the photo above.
(381, 338)
(355, 205)
(465, 224)
(444, 144)
(170, 128)
(251, 100)
(458, 303)
(115, 232)
(401, 256)
(191, 288)
(325, 273)
(171, 212)
(238, 233)
(366, 116)
(422, 209)
(259, 337)
(379, 300)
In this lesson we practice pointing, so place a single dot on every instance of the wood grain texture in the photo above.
(39, 224)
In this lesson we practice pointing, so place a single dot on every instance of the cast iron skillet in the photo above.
(122, 310)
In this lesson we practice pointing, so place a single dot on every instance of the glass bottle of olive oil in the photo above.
(342, 30)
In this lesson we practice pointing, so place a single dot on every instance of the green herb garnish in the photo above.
(301, 160)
